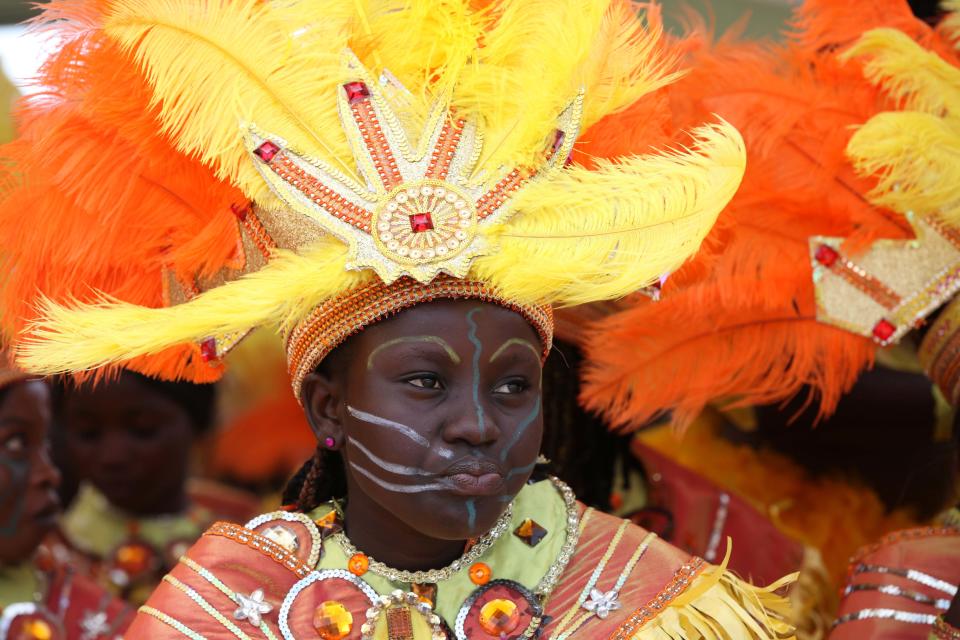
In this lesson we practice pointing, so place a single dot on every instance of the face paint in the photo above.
(521, 470)
(398, 469)
(399, 488)
(454, 356)
(521, 428)
(471, 514)
(402, 429)
(477, 349)
(17, 472)
(512, 341)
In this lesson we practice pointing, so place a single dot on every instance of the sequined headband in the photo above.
(330, 324)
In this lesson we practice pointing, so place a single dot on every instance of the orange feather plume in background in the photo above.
(737, 324)
(89, 154)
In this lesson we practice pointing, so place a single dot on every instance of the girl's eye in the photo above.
(512, 387)
(15, 444)
(425, 382)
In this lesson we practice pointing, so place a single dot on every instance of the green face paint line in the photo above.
(471, 513)
(512, 341)
(521, 470)
(18, 470)
(521, 428)
(477, 350)
(437, 340)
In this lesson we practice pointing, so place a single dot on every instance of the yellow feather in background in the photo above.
(583, 236)
(84, 337)
(916, 158)
(906, 71)
(950, 23)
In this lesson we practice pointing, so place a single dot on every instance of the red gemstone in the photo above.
(356, 91)
(421, 222)
(558, 139)
(240, 211)
(208, 350)
(883, 330)
(826, 255)
(266, 151)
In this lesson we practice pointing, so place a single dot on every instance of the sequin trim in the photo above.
(264, 545)
(317, 576)
(331, 323)
(294, 516)
(445, 150)
(887, 614)
(207, 575)
(319, 193)
(681, 580)
(171, 622)
(535, 607)
(206, 606)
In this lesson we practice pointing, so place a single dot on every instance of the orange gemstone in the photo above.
(480, 574)
(35, 630)
(358, 564)
(133, 558)
(499, 617)
(332, 621)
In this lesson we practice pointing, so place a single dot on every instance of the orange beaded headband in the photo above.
(330, 324)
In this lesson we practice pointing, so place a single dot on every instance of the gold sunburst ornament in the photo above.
(418, 210)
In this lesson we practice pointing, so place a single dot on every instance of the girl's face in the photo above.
(28, 500)
(436, 412)
(130, 441)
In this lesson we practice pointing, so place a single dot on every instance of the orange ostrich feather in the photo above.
(84, 161)
(737, 324)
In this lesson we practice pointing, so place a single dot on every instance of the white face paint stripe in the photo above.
(400, 488)
(402, 429)
(398, 469)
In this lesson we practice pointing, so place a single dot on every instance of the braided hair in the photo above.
(319, 479)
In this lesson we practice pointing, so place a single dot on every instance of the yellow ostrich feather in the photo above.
(916, 158)
(84, 337)
(216, 67)
(906, 71)
(913, 153)
(630, 222)
(217, 64)
(950, 24)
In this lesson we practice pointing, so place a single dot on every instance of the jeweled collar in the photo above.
(516, 572)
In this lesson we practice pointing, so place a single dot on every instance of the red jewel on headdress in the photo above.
(356, 91)
(208, 350)
(266, 151)
(883, 330)
(421, 222)
(826, 255)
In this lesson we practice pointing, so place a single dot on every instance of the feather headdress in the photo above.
(815, 262)
(203, 167)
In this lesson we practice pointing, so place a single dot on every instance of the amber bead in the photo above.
(480, 573)
(134, 558)
(358, 564)
(499, 617)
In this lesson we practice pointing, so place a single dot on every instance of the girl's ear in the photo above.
(322, 398)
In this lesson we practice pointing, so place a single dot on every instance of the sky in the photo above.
(20, 54)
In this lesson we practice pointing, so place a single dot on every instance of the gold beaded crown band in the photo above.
(362, 190)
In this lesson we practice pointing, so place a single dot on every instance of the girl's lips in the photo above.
(468, 484)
